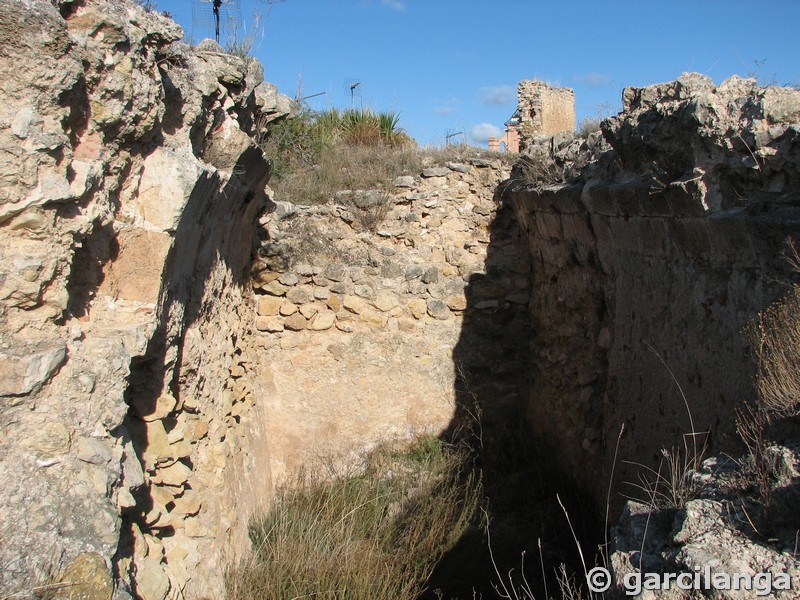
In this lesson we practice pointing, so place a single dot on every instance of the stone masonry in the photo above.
(543, 110)
(362, 331)
(648, 262)
(131, 452)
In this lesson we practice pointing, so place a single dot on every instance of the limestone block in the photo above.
(355, 304)
(335, 272)
(374, 318)
(92, 451)
(274, 288)
(169, 178)
(334, 303)
(152, 583)
(308, 310)
(188, 504)
(322, 320)
(300, 295)
(295, 322)
(269, 306)
(385, 301)
(88, 578)
(287, 308)
(458, 167)
(28, 368)
(456, 302)
(163, 406)
(435, 172)
(418, 307)
(438, 309)
(158, 446)
(289, 279)
(174, 475)
(404, 181)
(269, 324)
(344, 326)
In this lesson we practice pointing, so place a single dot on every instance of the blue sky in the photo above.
(452, 66)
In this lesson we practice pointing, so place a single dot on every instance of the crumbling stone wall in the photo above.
(360, 329)
(543, 110)
(131, 450)
(649, 262)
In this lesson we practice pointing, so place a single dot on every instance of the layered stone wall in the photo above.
(543, 110)
(131, 451)
(363, 330)
(647, 266)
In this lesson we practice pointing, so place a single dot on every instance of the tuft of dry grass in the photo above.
(775, 338)
(775, 335)
(376, 531)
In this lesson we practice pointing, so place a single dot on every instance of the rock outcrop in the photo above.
(648, 260)
(131, 189)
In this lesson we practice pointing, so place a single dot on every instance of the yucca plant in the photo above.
(388, 123)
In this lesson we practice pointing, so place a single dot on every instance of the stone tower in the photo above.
(543, 109)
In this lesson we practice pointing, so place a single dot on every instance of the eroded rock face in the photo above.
(660, 245)
(130, 189)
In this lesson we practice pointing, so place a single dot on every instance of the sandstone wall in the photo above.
(543, 110)
(131, 451)
(647, 266)
(369, 335)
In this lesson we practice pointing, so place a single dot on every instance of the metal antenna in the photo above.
(353, 87)
(449, 136)
(223, 17)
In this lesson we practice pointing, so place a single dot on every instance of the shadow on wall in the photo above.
(216, 228)
(492, 365)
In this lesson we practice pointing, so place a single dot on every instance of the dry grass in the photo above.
(316, 155)
(775, 338)
(374, 533)
(776, 341)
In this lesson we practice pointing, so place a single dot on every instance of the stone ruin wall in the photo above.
(362, 333)
(150, 398)
(653, 259)
(544, 110)
(132, 448)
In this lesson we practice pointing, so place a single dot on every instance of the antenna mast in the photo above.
(353, 87)
(223, 17)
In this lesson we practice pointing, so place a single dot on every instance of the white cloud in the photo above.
(498, 95)
(481, 132)
(447, 107)
(395, 4)
(594, 80)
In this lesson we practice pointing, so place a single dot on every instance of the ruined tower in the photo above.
(543, 109)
